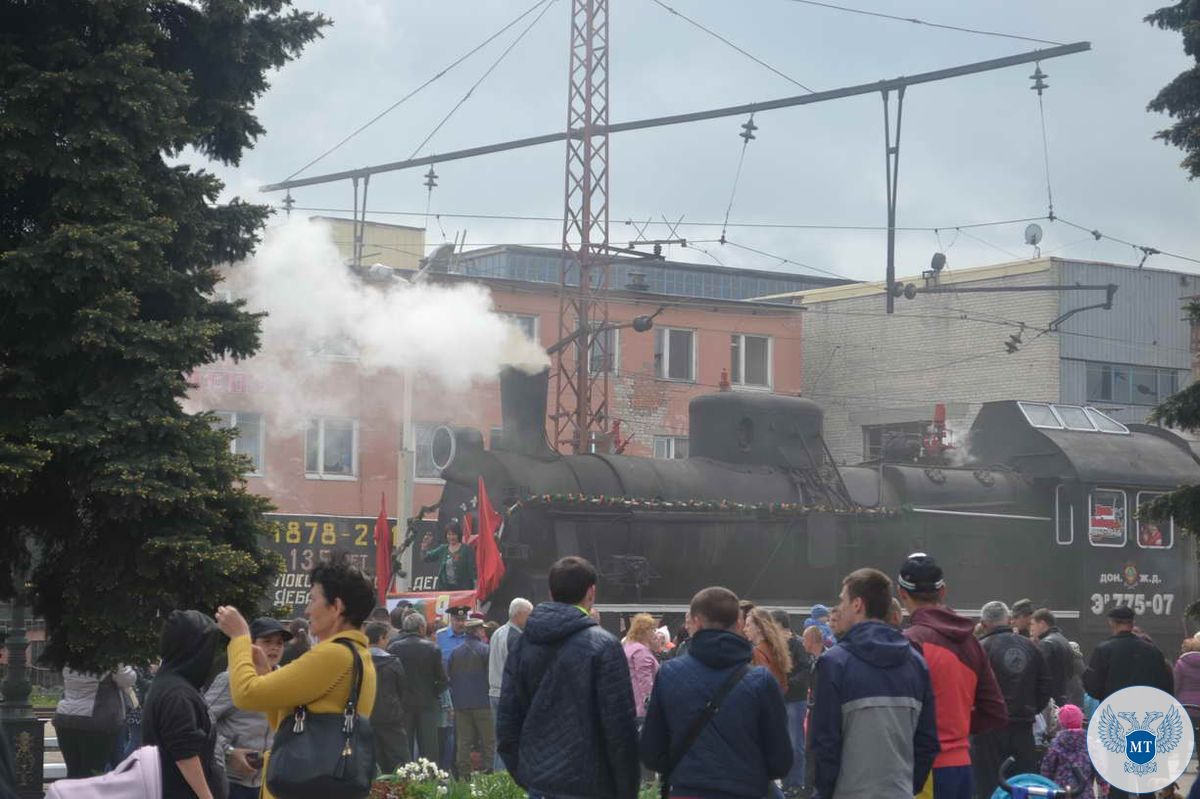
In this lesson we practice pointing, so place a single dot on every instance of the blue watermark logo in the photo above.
(1140, 739)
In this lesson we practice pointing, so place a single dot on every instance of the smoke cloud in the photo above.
(317, 308)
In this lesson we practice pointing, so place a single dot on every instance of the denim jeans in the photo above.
(795, 714)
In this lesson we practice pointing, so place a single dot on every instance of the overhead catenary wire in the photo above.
(1097, 235)
(786, 260)
(1039, 85)
(721, 38)
(747, 135)
(926, 23)
(417, 90)
(959, 228)
(629, 221)
(484, 76)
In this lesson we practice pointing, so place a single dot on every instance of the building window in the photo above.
(331, 448)
(1130, 385)
(750, 361)
(250, 434)
(527, 324)
(675, 354)
(423, 446)
(336, 348)
(881, 438)
(1106, 518)
(604, 355)
(1153, 535)
(669, 447)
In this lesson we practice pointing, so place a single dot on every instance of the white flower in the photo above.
(442, 790)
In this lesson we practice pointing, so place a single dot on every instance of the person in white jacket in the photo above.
(89, 717)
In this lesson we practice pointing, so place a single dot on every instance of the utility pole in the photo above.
(580, 401)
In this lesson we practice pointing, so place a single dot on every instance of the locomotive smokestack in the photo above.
(523, 409)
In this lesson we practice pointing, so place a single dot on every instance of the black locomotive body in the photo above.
(1044, 507)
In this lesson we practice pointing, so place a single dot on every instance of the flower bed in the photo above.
(424, 780)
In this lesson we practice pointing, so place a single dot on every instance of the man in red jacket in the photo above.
(966, 695)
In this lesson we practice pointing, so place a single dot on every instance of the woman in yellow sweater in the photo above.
(340, 600)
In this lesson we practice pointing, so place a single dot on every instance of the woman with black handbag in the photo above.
(319, 705)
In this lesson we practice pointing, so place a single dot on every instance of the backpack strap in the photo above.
(710, 709)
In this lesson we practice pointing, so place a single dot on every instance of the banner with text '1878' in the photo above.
(306, 539)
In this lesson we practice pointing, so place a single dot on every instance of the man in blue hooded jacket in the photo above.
(565, 723)
(745, 744)
(873, 727)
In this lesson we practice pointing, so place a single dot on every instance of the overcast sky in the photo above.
(971, 149)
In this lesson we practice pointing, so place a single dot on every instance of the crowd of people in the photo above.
(889, 693)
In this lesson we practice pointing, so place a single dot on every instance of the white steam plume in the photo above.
(448, 332)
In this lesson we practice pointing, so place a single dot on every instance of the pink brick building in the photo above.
(336, 461)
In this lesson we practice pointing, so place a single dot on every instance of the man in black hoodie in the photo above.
(175, 718)
(565, 723)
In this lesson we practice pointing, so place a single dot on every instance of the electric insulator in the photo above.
(748, 128)
(1039, 80)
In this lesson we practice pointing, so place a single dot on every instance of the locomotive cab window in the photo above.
(1039, 414)
(1154, 534)
(1106, 518)
(1064, 516)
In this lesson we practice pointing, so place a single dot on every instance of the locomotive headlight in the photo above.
(455, 448)
(443, 446)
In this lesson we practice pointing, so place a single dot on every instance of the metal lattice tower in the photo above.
(581, 397)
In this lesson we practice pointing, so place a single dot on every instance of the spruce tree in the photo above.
(1181, 410)
(119, 504)
(1181, 97)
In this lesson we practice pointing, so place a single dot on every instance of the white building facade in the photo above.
(878, 375)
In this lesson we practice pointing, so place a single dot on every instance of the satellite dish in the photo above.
(1033, 234)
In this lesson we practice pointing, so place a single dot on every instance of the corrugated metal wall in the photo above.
(1145, 327)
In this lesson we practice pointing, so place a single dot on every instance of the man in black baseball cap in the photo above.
(958, 668)
(1122, 661)
(264, 626)
(1125, 659)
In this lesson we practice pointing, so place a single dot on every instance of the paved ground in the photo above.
(1185, 783)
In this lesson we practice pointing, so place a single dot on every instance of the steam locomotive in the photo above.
(1044, 507)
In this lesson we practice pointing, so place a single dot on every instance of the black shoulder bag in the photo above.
(325, 755)
(710, 709)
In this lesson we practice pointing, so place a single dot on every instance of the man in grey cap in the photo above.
(468, 674)
(1124, 660)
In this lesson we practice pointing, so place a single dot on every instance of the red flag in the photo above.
(383, 553)
(488, 563)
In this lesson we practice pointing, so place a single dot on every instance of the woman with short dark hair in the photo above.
(340, 600)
